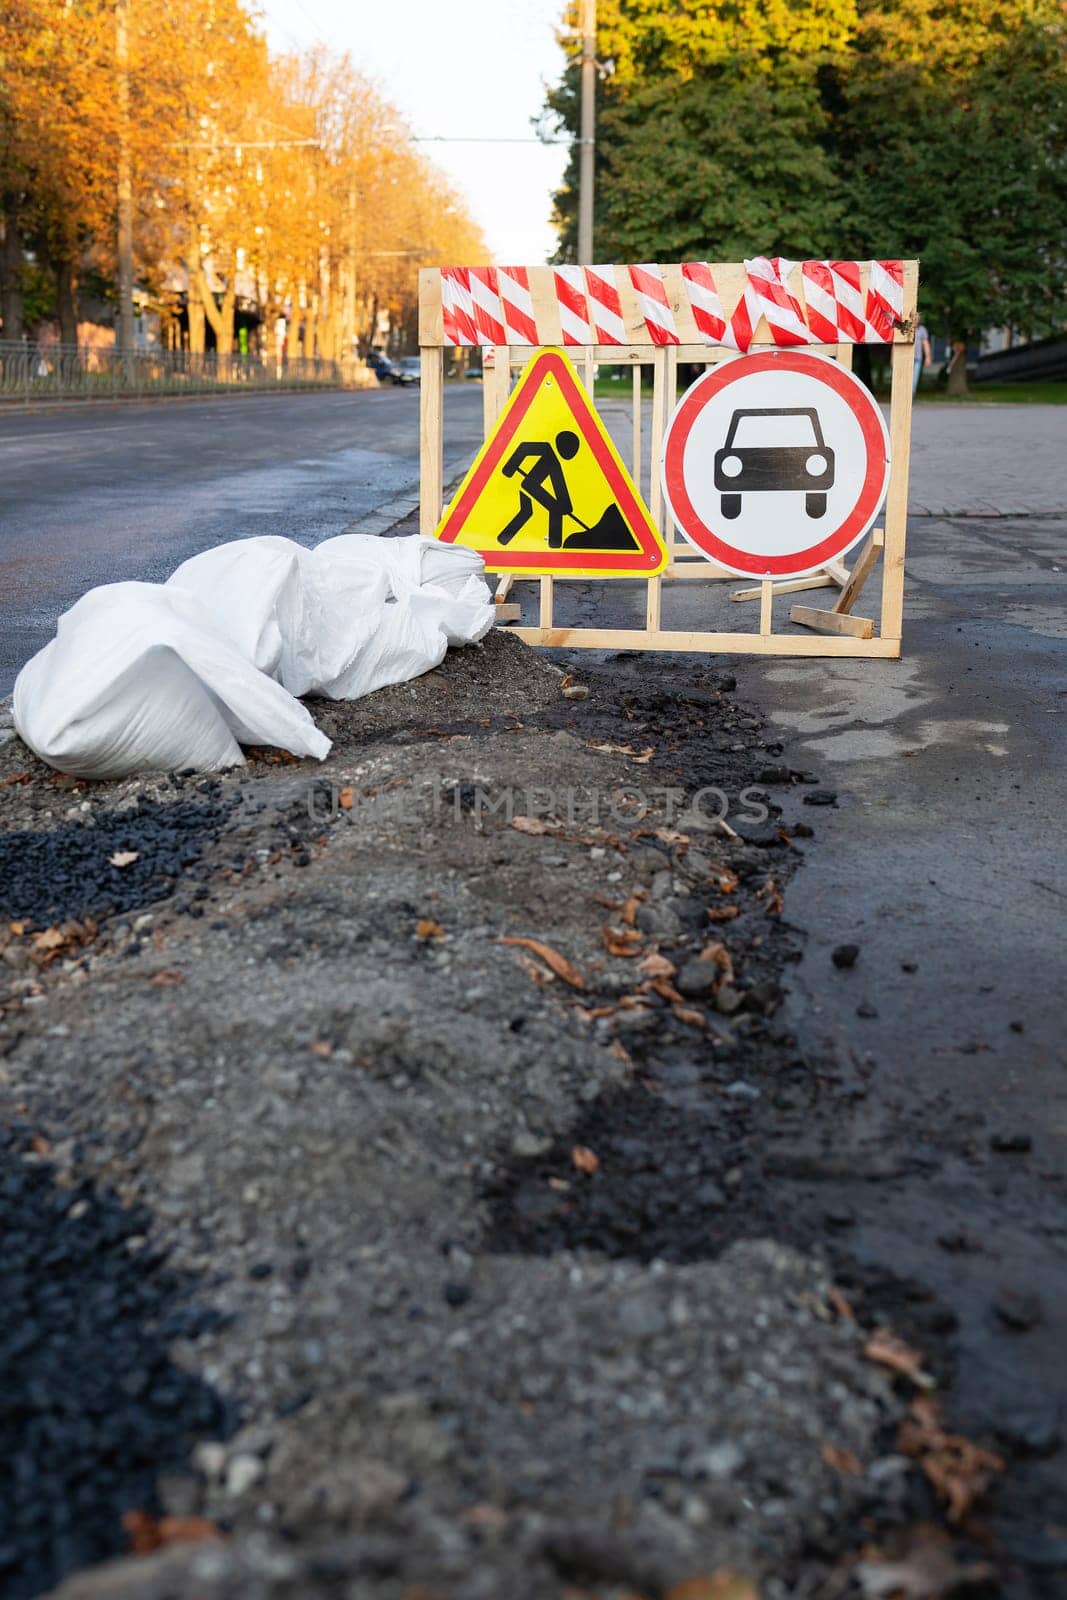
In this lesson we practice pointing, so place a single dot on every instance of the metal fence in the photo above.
(83, 372)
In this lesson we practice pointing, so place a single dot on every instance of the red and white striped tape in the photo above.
(885, 299)
(494, 305)
(647, 280)
(516, 306)
(604, 305)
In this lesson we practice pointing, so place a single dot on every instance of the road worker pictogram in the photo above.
(548, 492)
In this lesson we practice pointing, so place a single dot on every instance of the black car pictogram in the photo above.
(774, 448)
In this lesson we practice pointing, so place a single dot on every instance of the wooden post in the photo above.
(766, 598)
(896, 505)
(431, 439)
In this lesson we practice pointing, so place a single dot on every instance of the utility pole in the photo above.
(588, 133)
(125, 181)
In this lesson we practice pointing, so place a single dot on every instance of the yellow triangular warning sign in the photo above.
(548, 493)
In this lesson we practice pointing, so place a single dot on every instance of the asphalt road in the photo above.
(101, 494)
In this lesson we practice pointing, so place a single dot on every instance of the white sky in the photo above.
(465, 69)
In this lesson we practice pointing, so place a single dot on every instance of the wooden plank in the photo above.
(778, 644)
(896, 506)
(502, 377)
(729, 279)
(837, 572)
(766, 604)
(431, 439)
(818, 580)
(862, 568)
(655, 488)
(431, 322)
(700, 569)
(832, 622)
(489, 410)
(589, 372)
(503, 588)
(510, 612)
(545, 304)
(653, 597)
(546, 603)
(635, 454)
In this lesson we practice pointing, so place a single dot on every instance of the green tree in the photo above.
(950, 140)
(710, 128)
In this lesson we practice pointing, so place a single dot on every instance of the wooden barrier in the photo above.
(833, 631)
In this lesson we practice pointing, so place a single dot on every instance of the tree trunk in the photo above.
(67, 302)
(10, 275)
(197, 330)
(221, 319)
(957, 369)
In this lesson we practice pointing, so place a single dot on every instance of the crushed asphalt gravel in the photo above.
(408, 1154)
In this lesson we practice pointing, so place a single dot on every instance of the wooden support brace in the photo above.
(832, 622)
(817, 580)
(864, 565)
(503, 587)
(509, 612)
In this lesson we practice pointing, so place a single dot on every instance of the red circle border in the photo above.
(855, 524)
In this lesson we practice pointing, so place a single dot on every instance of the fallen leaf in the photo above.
(560, 965)
(124, 858)
(959, 1470)
(147, 1533)
(534, 970)
(40, 1145)
(629, 908)
(585, 1160)
(656, 966)
(718, 953)
(722, 913)
(695, 1019)
(167, 980)
(840, 1304)
(889, 1351)
(559, 1184)
(533, 825)
(621, 941)
(842, 1460)
(427, 928)
(49, 939)
(641, 757)
(721, 1585)
(323, 1048)
(16, 777)
(663, 987)
(17, 928)
(925, 1570)
(345, 797)
(771, 896)
(664, 835)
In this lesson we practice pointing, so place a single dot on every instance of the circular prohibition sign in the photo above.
(775, 463)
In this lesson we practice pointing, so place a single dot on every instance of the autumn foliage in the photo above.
(280, 185)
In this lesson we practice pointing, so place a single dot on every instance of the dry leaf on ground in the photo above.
(536, 825)
(585, 1160)
(621, 941)
(124, 858)
(167, 980)
(559, 964)
(715, 1586)
(959, 1470)
(889, 1351)
(842, 1460)
(718, 953)
(926, 1570)
(656, 966)
(345, 797)
(147, 1533)
(16, 777)
(17, 928)
(427, 928)
(695, 1019)
(722, 913)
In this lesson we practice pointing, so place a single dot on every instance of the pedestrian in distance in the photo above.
(923, 357)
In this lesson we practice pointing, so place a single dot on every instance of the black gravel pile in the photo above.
(66, 873)
(91, 1406)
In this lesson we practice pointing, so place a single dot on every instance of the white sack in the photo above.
(144, 677)
(138, 680)
(351, 616)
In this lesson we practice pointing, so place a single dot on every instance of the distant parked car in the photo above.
(407, 370)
